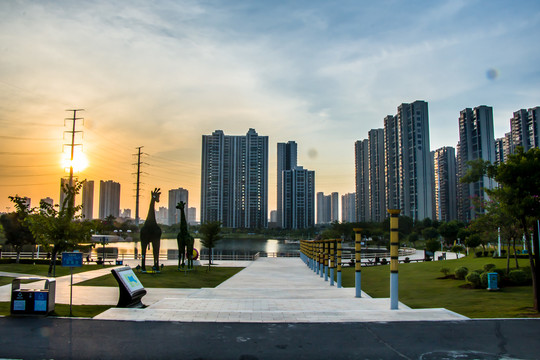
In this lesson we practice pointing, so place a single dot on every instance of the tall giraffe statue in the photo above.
(184, 239)
(151, 233)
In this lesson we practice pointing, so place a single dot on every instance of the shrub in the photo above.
(407, 260)
(478, 253)
(474, 279)
(484, 279)
(384, 261)
(488, 267)
(461, 272)
(486, 253)
(518, 277)
(445, 271)
(503, 252)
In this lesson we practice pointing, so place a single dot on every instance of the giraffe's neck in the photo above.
(151, 213)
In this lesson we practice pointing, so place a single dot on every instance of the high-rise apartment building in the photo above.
(334, 207)
(162, 215)
(361, 151)
(286, 160)
(324, 208)
(377, 189)
(298, 198)
(444, 164)
(234, 179)
(416, 165)
(175, 196)
(192, 216)
(392, 149)
(88, 199)
(348, 207)
(533, 126)
(519, 129)
(109, 199)
(476, 141)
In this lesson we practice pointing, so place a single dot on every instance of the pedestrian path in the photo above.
(273, 290)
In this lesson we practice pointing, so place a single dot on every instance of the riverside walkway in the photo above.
(267, 290)
(273, 290)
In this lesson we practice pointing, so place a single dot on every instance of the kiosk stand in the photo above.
(131, 289)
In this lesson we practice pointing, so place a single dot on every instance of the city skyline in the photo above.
(161, 75)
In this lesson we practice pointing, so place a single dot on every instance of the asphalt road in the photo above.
(54, 338)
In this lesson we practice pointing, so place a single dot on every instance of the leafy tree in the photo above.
(473, 240)
(210, 235)
(430, 233)
(433, 245)
(15, 229)
(60, 229)
(449, 230)
(412, 238)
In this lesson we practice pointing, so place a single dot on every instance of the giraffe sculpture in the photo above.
(151, 233)
(184, 239)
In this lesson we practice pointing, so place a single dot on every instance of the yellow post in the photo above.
(394, 257)
(332, 262)
(326, 253)
(358, 259)
(339, 263)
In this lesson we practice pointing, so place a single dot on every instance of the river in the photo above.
(228, 246)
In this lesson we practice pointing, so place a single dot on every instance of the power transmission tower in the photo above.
(74, 119)
(138, 183)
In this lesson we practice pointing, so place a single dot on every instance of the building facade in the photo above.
(175, 196)
(234, 179)
(109, 199)
(361, 151)
(376, 179)
(286, 160)
(298, 198)
(444, 164)
(348, 207)
(476, 141)
(88, 199)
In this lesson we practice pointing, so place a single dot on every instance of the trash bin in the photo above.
(492, 281)
(32, 301)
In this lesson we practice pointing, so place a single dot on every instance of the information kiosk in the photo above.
(131, 289)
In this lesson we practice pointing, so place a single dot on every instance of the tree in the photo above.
(518, 194)
(449, 230)
(433, 245)
(430, 233)
(412, 238)
(60, 229)
(15, 229)
(210, 235)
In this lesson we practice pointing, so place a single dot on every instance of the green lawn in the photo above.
(419, 287)
(41, 270)
(170, 277)
(63, 310)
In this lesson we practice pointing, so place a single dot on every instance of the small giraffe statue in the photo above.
(151, 233)
(184, 240)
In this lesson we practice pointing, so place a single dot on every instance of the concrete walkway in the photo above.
(272, 290)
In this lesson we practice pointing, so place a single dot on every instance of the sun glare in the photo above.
(80, 161)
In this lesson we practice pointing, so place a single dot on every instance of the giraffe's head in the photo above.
(181, 205)
(155, 194)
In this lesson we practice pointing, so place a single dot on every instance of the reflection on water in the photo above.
(240, 245)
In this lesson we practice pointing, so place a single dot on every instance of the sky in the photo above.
(160, 74)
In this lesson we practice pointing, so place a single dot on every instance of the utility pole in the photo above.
(138, 173)
(72, 145)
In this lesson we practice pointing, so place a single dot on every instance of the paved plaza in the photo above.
(267, 290)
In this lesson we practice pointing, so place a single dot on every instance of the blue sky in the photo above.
(160, 74)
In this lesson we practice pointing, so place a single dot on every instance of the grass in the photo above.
(170, 277)
(63, 310)
(42, 270)
(421, 286)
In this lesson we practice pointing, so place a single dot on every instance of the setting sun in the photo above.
(79, 163)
